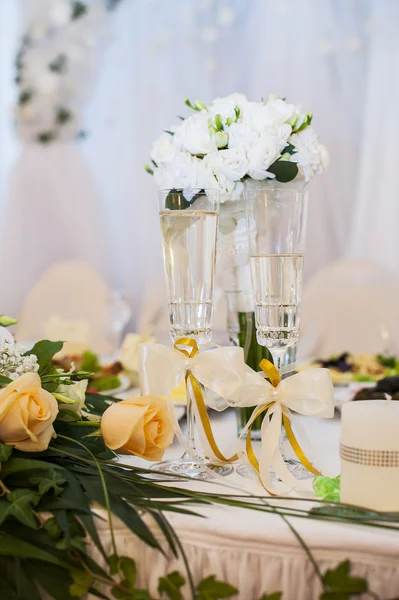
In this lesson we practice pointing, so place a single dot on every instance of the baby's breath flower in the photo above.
(13, 363)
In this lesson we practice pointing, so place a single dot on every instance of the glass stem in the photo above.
(190, 450)
(278, 355)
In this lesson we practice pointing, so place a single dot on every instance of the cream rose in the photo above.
(140, 426)
(27, 413)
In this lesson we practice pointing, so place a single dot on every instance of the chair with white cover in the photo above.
(70, 302)
(350, 305)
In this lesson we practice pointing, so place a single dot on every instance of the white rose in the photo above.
(232, 163)
(281, 135)
(257, 116)
(261, 156)
(163, 149)
(76, 392)
(184, 171)
(242, 136)
(194, 135)
(225, 106)
(311, 156)
(279, 110)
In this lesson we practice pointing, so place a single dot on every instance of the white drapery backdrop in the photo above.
(337, 58)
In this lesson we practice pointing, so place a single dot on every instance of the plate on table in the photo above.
(347, 368)
(107, 377)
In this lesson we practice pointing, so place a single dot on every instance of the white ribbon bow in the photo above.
(309, 393)
(222, 370)
(219, 369)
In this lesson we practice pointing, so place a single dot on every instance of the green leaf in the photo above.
(53, 528)
(340, 580)
(105, 384)
(284, 170)
(212, 589)
(7, 321)
(90, 362)
(13, 546)
(5, 452)
(54, 580)
(15, 465)
(49, 480)
(63, 115)
(170, 585)
(45, 350)
(175, 200)
(19, 504)
(237, 111)
(190, 105)
(4, 380)
(275, 596)
(127, 567)
(58, 65)
(335, 596)
(25, 585)
(79, 9)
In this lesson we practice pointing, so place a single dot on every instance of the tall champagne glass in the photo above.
(276, 223)
(189, 223)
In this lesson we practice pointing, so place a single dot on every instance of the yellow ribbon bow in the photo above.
(218, 369)
(199, 400)
(310, 393)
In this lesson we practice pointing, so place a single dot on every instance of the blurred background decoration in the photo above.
(95, 87)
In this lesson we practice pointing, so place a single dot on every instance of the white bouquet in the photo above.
(233, 140)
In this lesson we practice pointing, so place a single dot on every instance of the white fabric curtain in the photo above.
(336, 57)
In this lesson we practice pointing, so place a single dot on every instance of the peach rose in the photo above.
(27, 413)
(141, 426)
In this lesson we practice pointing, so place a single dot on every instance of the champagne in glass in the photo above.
(189, 248)
(276, 224)
(277, 287)
(189, 223)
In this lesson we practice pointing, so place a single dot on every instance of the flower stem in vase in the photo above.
(253, 354)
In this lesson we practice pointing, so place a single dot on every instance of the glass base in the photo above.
(294, 467)
(193, 466)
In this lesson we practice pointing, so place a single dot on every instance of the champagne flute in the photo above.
(189, 221)
(276, 222)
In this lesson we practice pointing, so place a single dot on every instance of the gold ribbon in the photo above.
(274, 377)
(199, 399)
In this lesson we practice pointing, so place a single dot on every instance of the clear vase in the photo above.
(233, 265)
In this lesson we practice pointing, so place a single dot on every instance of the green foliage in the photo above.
(78, 10)
(90, 362)
(340, 585)
(20, 505)
(105, 384)
(275, 596)
(4, 381)
(45, 350)
(59, 64)
(171, 586)
(7, 321)
(284, 170)
(212, 589)
(327, 488)
(5, 452)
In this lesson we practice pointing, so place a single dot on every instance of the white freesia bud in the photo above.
(221, 139)
(75, 392)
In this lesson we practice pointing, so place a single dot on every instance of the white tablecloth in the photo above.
(257, 552)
